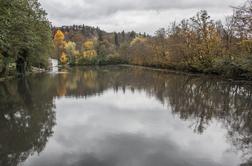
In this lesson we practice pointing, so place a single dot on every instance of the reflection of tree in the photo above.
(26, 116)
(26, 119)
(203, 100)
(199, 100)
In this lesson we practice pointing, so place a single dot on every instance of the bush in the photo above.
(229, 66)
(100, 60)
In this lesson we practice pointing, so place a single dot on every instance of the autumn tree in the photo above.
(89, 51)
(59, 43)
(63, 58)
(72, 53)
(160, 46)
(196, 41)
(208, 40)
(141, 52)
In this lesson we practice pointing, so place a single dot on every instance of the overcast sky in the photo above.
(139, 15)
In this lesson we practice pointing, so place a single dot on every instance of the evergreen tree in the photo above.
(123, 36)
(117, 40)
(100, 35)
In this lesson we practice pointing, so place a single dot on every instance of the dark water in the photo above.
(124, 116)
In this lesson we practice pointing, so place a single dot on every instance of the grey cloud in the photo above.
(99, 8)
(140, 15)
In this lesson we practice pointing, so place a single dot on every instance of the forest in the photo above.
(198, 44)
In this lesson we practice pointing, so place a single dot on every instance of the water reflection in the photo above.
(26, 120)
(125, 116)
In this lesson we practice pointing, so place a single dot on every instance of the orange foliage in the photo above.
(59, 36)
(63, 58)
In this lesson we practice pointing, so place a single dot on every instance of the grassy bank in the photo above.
(98, 61)
(225, 69)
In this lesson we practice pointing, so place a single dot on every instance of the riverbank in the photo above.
(12, 75)
(193, 74)
(35, 70)
(181, 70)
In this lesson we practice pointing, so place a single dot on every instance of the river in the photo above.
(124, 116)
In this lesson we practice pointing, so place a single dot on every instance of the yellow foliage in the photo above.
(59, 42)
(64, 44)
(76, 53)
(88, 45)
(89, 49)
(63, 58)
(139, 39)
(70, 44)
(70, 49)
(89, 54)
(59, 36)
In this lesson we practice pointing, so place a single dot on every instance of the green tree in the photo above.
(25, 34)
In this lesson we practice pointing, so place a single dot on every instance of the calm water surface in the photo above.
(124, 116)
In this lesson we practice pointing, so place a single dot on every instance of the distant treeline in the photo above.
(86, 45)
(197, 44)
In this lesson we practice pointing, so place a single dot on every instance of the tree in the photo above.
(63, 58)
(25, 34)
(242, 20)
(206, 42)
(89, 52)
(59, 42)
(141, 51)
(132, 34)
(59, 37)
(123, 35)
(117, 40)
(160, 46)
(100, 35)
(70, 49)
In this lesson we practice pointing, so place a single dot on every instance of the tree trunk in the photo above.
(20, 66)
(21, 63)
(5, 69)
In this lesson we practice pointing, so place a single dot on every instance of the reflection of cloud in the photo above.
(111, 133)
(118, 13)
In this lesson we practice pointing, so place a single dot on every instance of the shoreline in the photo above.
(181, 72)
(34, 70)
(167, 70)
(195, 74)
